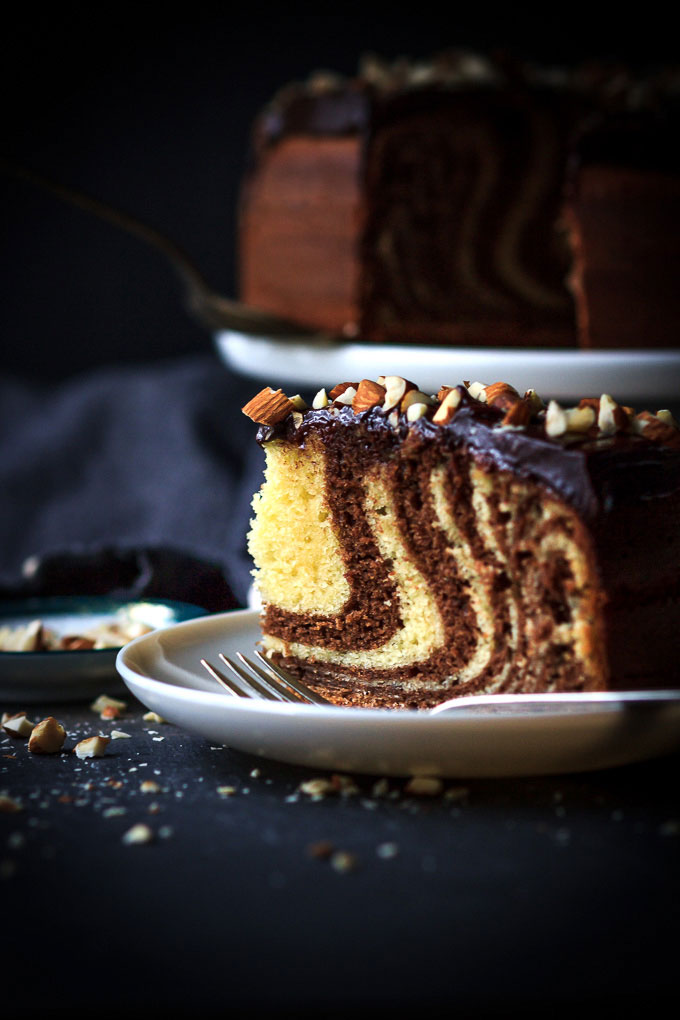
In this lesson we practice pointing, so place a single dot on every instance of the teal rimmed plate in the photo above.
(71, 675)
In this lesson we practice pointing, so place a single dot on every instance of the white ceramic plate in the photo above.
(630, 376)
(163, 671)
(69, 675)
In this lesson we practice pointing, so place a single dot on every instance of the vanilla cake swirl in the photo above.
(409, 548)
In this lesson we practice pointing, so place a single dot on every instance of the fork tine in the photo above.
(229, 685)
(273, 681)
(260, 689)
(238, 684)
(288, 678)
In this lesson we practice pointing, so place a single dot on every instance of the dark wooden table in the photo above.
(258, 893)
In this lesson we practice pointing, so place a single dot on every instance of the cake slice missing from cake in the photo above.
(409, 548)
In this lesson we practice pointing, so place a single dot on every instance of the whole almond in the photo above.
(369, 394)
(268, 407)
(502, 395)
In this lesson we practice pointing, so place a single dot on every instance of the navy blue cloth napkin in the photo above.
(131, 480)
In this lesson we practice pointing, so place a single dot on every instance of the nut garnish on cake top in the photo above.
(591, 418)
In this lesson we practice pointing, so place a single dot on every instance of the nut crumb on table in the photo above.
(47, 737)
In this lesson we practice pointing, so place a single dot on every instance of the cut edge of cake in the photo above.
(411, 547)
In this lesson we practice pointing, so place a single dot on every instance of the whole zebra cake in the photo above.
(409, 547)
(468, 200)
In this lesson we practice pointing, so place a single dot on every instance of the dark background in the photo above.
(151, 112)
(538, 896)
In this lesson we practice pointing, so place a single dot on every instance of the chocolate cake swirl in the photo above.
(410, 548)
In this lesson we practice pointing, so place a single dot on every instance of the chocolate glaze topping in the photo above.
(331, 104)
(593, 475)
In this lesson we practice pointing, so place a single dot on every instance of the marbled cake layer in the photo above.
(406, 556)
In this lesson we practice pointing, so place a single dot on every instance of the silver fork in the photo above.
(267, 681)
(276, 684)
